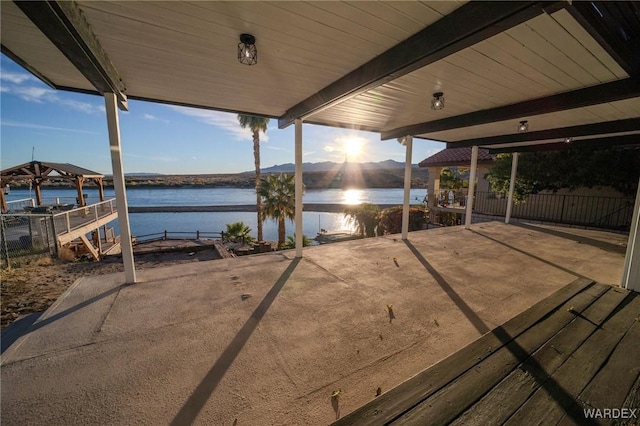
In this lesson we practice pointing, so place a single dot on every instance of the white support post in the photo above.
(631, 271)
(512, 186)
(472, 186)
(408, 142)
(299, 186)
(113, 124)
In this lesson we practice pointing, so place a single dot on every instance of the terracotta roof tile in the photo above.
(455, 157)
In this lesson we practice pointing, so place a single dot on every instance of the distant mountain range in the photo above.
(327, 166)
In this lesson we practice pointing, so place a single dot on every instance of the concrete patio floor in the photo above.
(266, 339)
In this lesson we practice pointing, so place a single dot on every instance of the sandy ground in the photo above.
(33, 284)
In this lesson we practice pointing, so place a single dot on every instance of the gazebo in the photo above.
(38, 171)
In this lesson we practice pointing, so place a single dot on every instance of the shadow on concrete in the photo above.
(577, 238)
(555, 265)
(466, 309)
(525, 359)
(17, 329)
(203, 391)
(543, 379)
(75, 308)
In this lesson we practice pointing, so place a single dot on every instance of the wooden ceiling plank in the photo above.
(340, 29)
(602, 30)
(595, 143)
(375, 17)
(513, 55)
(606, 92)
(572, 26)
(617, 126)
(549, 53)
(420, 12)
(197, 39)
(499, 75)
(552, 31)
(65, 25)
(464, 27)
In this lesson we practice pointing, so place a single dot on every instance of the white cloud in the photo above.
(15, 77)
(151, 117)
(30, 93)
(225, 121)
(40, 95)
(85, 107)
(39, 126)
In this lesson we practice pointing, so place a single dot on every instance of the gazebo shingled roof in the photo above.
(43, 169)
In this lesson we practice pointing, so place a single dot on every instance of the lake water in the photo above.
(148, 223)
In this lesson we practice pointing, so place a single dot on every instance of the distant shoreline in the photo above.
(360, 179)
(311, 207)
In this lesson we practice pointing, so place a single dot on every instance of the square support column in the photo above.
(299, 186)
(113, 124)
(512, 187)
(631, 271)
(472, 186)
(434, 187)
(408, 143)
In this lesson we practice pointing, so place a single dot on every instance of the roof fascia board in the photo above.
(604, 142)
(469, 24)
(601, 93)
(616, 126)
(64, 24)
(601, 28)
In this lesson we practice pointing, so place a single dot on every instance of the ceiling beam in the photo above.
(617, 126)
(604, 21)
(595, 143)
(602, 93)
(65, 25)
(469, 24)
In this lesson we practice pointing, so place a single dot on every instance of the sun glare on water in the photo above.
(353, 196)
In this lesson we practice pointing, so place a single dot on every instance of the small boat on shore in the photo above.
(325, 237)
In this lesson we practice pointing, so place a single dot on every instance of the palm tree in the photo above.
(256, 124)
(237, 232)
(365, 217)
(291, 241)
(278, 197)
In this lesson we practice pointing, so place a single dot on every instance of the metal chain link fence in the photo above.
(22, 235)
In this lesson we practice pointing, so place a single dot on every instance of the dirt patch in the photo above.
(34, 283)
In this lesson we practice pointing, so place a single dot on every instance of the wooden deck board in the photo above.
(402, 398)
(550, 404)
(450, 402)
(612, 384)
(542, 367)
(506, 398)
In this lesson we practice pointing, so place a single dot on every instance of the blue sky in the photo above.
(71, 128)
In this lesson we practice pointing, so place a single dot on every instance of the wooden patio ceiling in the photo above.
(362, 65)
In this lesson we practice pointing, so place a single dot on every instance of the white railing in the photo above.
(19, 205)
(73, 219)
